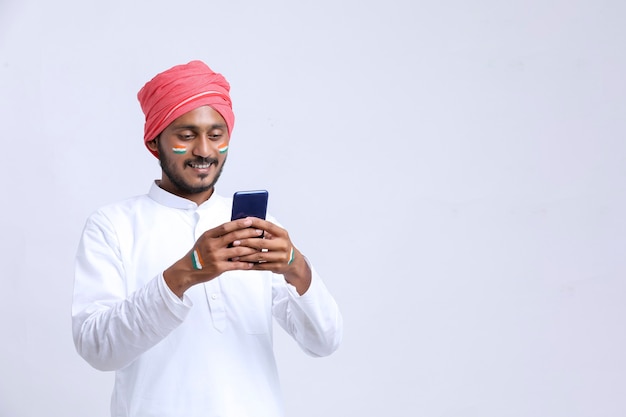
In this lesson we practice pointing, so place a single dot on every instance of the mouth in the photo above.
(202, 164)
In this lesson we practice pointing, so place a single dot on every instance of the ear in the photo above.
(153, 145)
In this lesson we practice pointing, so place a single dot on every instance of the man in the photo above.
(177, 299)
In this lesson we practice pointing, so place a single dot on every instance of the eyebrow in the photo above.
(195, 127)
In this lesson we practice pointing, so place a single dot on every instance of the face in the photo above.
(192, 151)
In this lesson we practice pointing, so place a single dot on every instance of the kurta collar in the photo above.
(168, 199)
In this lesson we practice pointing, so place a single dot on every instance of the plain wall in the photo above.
(455, 170)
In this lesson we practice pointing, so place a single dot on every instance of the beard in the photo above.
(172, 170)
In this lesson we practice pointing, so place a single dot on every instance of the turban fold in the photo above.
(179, 90)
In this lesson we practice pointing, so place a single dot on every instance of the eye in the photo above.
(215, 136)
(186, 136)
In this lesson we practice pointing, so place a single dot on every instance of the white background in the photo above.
(454, 169)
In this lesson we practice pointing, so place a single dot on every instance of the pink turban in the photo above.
(179, 90)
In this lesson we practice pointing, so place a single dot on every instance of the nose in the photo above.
(203, 146)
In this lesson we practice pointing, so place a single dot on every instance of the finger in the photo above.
(238, 265)
(210, 253)
(234, 259)
(236, 238)
(269, 227)
(239, 252)
(211, 246)
(268, 266)
(229, 227)
(271, 245)
(276, 258)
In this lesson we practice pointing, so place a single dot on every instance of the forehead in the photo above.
(201, 117)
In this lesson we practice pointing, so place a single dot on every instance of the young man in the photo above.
(177, 299)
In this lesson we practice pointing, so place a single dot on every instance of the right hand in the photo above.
(215, 254)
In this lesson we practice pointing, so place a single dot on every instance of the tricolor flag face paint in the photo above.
(223, 148)
(179, 150)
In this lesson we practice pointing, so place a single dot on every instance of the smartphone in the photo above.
(249, 204)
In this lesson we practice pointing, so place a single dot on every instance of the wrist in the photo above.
(299, 275)
(178, 278)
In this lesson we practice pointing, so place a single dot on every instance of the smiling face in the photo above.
(192, 153)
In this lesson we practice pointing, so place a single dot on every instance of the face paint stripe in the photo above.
(179, 149)
(223, 148)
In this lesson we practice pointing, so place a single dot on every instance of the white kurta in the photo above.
(209, 354)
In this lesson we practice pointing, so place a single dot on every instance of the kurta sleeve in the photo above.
(312, 319)
(111, 328)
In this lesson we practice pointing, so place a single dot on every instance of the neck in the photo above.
(198, 197)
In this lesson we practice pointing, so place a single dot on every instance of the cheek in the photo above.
(223, 148)
(179, 150)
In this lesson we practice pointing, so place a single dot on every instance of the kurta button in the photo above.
(213, 296)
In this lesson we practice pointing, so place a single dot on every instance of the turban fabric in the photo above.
(179, 90)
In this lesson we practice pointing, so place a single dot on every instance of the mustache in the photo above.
(199, 161)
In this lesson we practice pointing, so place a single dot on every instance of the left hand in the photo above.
(275, 252)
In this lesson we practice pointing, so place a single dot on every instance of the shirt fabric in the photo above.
(207, 354)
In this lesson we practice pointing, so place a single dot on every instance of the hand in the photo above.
(275, 252)
(211, 255)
